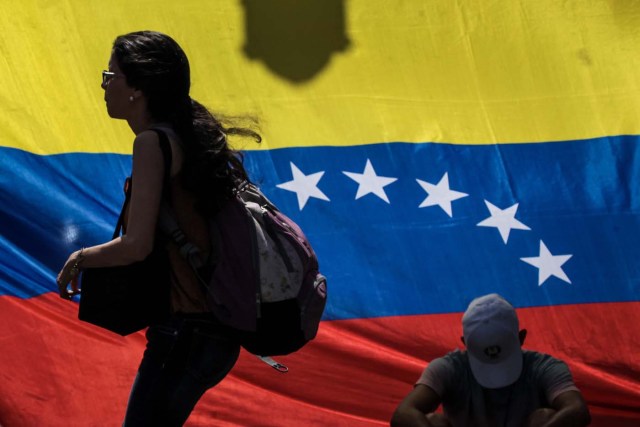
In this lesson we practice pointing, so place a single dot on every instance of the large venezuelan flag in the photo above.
(433, 151)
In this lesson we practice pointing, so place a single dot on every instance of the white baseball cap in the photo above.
(490, 327)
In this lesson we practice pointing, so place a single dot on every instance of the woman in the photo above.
(147, 85)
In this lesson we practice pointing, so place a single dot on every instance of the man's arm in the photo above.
(413, 408)
(569, 410)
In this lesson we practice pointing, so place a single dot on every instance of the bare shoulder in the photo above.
(146, 144)
(146, 138)
(147, 154)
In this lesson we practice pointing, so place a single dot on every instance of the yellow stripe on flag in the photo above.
(417, 71)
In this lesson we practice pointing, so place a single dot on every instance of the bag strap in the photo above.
(165, 147)
(166, 218)
(127, 197)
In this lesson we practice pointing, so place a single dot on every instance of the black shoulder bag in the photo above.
(125, 299)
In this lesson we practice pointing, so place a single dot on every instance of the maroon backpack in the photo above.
(262, 279)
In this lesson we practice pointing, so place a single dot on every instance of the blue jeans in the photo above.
(183, 359)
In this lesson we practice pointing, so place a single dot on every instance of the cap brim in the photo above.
(496, 373)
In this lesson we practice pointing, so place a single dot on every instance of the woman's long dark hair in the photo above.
(155, 64)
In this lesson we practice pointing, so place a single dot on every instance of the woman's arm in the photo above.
(137, 243)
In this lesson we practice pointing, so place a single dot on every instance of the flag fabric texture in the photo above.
(431, 151)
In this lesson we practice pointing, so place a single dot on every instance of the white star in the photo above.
(503, 219)
(440, 194)
(548, 265)
(369, 182)
(305, 186)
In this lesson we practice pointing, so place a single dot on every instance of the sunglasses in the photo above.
(108, 75)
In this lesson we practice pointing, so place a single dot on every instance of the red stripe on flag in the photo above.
(57, 371)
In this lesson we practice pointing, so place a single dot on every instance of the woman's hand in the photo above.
(69, 274)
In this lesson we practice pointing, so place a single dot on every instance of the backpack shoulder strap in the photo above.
(166, 219)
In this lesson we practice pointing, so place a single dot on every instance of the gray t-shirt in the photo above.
(467, 403)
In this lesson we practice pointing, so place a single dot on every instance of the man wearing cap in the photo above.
(494, 383)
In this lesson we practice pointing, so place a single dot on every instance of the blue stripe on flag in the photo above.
(385, 255)
(579, 198)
